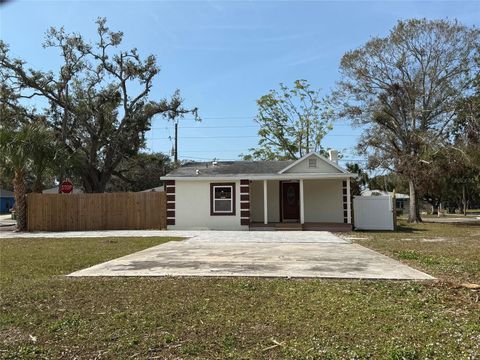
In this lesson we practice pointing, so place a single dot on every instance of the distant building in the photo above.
(155, 189)
(7, 200)
(402, 200)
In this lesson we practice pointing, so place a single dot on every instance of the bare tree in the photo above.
(404, 88)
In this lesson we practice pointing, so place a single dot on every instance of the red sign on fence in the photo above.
(66, 187)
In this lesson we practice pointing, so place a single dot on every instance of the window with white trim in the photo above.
(222, 199)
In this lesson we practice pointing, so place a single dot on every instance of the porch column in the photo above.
(265, 203)
(302, 204)
(349, 203)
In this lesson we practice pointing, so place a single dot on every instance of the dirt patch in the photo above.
(436, 239)
(13, 335)
(350, 238)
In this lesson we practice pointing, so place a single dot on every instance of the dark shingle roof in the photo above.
(224, 168)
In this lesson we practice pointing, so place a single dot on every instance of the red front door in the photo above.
(290, 201)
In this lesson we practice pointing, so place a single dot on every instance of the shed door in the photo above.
(290, 201)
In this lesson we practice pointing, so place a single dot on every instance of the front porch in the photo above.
(298, 204)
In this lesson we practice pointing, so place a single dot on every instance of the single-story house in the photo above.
(402, 201)
(311, 193)
(7, 200)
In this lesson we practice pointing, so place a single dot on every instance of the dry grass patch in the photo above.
(46, 316)
(450, 252)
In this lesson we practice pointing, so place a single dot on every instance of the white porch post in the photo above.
(349, 203)
(265, 203)
(302, 203)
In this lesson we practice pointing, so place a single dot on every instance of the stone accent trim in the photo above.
(344, 192)
(170, 191)
(244, 202)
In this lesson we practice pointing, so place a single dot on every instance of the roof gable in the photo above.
(322, 165)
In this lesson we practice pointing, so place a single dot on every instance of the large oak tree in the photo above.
(99, 101)
(404, 88)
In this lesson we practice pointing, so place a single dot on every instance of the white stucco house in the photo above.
(311, 193)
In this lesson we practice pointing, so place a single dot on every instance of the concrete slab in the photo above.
(263, 254)
(204, 235)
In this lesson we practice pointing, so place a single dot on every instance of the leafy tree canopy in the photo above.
(99, 100)
(141, 172)
(293, 122)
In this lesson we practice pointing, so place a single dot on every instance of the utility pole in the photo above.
(175, 153)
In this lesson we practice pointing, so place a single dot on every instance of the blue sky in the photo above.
(225, 55)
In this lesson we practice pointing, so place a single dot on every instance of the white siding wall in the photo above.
(323, 201)
(192, 208)
(256, 201)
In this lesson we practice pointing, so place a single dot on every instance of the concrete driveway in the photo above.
(257, 253)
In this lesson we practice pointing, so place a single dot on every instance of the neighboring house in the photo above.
(402, 201)
(311, 193)
(54, 190)
(7, 200)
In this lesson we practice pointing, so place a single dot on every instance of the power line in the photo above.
(233, 118)
(222, 127)
(238, 136)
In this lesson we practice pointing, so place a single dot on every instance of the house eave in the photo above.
(285, 176)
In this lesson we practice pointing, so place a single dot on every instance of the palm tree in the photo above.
(360, 181)
(20, 147)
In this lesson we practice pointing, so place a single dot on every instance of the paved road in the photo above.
(454, 220)
(257, 253)
(6, 223)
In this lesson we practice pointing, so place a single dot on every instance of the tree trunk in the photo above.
(38, 185)
(464, 200)
(20, 199)
(414, 213)
(95, 181)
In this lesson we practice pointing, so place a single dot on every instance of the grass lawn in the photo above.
(44, 315)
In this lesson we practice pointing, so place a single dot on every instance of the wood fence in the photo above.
(107, 211)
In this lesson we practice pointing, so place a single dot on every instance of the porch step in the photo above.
(289, 226)
(334, 227)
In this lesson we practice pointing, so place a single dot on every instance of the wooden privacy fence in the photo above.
(107, 211)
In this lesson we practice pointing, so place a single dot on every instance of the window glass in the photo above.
(223, 192)
(222, 199)
(223, 205)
